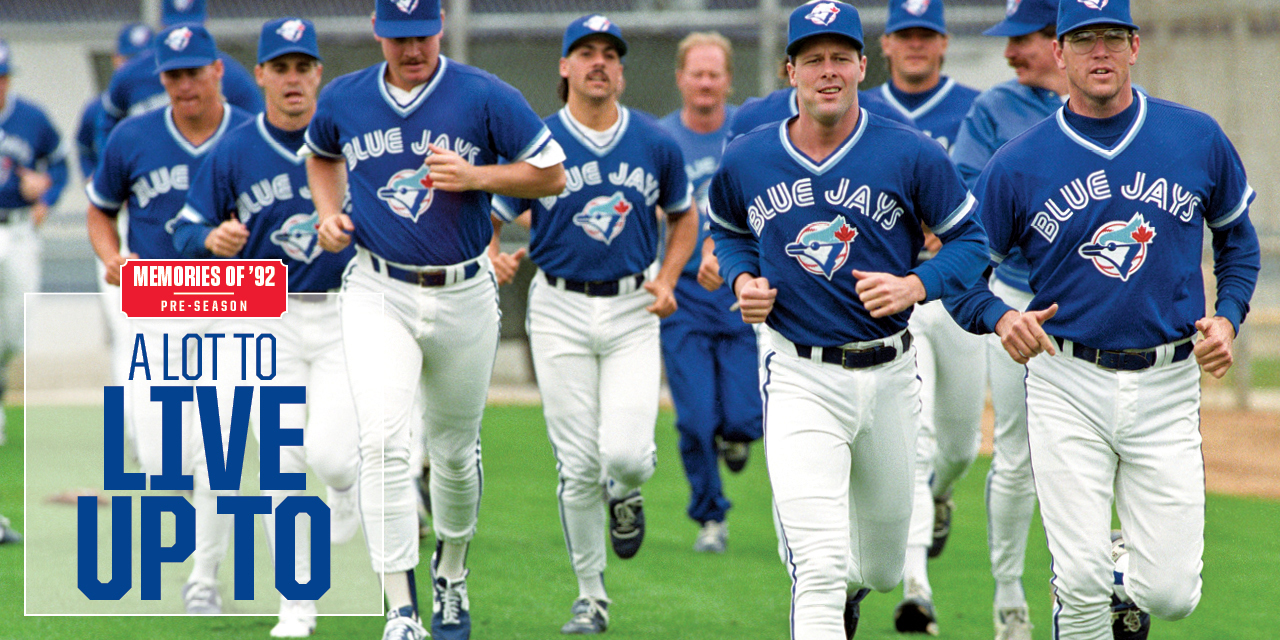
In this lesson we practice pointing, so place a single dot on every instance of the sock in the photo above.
(400, 589)
(1009, 594)
(451, 559)
(915, 573)
(592, 587)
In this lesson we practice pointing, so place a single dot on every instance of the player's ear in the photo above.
(218, 68)
(564, 67)
(1133, 51)
(791, 73)
(258, 72)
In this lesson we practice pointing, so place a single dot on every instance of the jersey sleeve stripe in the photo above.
(318, 151)
(725, 223)
(1236, 212)
(683, 204)
(956, 216)
(111, 107)
(191, 215)
(99, 201)
(996, 257)
(538, 142)
(501, 209)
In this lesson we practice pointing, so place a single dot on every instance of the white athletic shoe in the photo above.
(403, 625)
(1013, 623)
(201, 598)
(297, 619)
(345, 518)
(712, 538)
(1120, 557)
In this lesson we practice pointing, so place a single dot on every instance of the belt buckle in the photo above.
(847, 354)
(430, 278)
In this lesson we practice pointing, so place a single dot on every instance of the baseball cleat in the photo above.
(346, 515)
(735, 454)
(590, 616)
(626, 524)
(297, 619)
(201, 598)
(7, 534)
(450, 609)
(1013, 623)
(942, 508)
(915, 613)
(402, 624)
(853, 611)
(1128, 622)
(712, 538)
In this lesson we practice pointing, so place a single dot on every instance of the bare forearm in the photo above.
(103, 234)
(520, 180)
(326, 179)
(682, 238)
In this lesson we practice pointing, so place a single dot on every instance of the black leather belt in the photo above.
(856, 358)
(1124, 360)
(431, 277)
(309, 296)
(597, 288)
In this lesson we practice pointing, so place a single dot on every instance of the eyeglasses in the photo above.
(1116, 40)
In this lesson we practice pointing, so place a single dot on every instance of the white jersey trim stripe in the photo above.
(275, 145)
(684, 203)
(191, 215)
(1109, 154)
(833, 159)
(538, 142)
(207, 144)
(406, 110)
(99, 201)
(995, 256)
(957, 215)
(624, 119)
(502, 210)
(317, 150)
(922, 109)
(1234, 213)
(725, 223)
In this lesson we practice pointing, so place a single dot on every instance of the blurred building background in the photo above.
(1214, 55)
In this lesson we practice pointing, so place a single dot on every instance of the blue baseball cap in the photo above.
(183, 12)
(4, 58)
(1078, 14)
(407, 18)
(134, 38)
(819, 18)
(1022, 17)
(184, 46)
(905, 14)
(592, 25)
(287, 35)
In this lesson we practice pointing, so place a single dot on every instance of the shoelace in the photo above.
(625, 514)
(1014, 616)
(586, 614)
(451, 603)
(203, 594)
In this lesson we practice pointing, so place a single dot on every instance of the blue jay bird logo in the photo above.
(604, 217)
(916, 7)
(823, 247)
(1011, 7)
(409, 192)
(178, 39)
(1094, 4)
(292, 30)
(299, 236)
(1119, 249)
(823, 14)
(406, 6)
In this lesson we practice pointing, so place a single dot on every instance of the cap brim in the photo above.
(186, 62)
(794, 46)
(1011, 29)
(287, 50)
(923, 24)
(618, 43)
(1094, 22)
(407, 28)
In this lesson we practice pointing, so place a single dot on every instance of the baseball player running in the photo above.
(33, 172)
(951, 361)
(419, 138)
(147, 165)
(817, 224)
(997, 115)
(135, 88)
(595, 304)
(1107, 201)
(710, 355)
(229, 213)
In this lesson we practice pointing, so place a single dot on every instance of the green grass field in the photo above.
(521, 585)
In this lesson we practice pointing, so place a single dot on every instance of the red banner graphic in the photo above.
(204, 288)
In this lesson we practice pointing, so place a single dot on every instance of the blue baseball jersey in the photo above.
(604, 225)
(256, 176)
(806, 225)
(702, 153)
(87, 136)
(996, 117)
(135, 88)
(28, 139)
(148, 165)
(1112, 224)
(782, 104)
(396, 211)
(937, 112)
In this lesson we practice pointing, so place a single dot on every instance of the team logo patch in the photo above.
(183, 5)
(823, 247)
(823, 14)
(178, 39)
(1011, 7)
(406, 6)
(299, 236)
(916, 7)
(409, 192)
(1119, 249)
(1094, 4)
(604, 217)
(597, 23)
(139, 35)
(292, 30)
